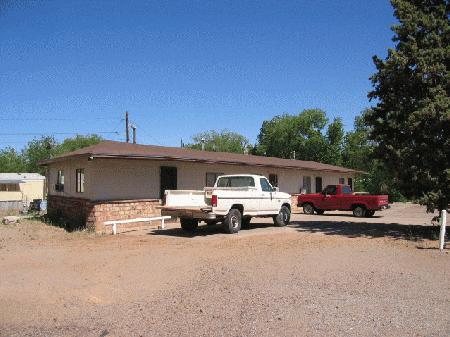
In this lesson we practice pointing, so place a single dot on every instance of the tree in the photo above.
(38, 150)
(303, 135)
(78, 142)
(335, 138)
(410, 123)
(223, 141)
(11, 161)
(41, 149)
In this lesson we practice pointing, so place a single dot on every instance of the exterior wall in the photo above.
(28, 191)
(32, 190)
(92, 214)
(140, 179)
(11, 196)
(117, 189)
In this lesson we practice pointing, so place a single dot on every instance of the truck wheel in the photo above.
(188, 224)
(283, 217)
(233, 221)
(246, 221)
(359, 211)
(370, 214)
(320, 211)
(308, 209)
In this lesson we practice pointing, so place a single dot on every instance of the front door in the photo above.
(168, 179)
(318, 184)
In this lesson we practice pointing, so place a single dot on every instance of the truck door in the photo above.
(267, 202)
(329, 198)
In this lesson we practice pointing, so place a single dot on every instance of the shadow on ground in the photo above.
(368, 230)
(204, 230)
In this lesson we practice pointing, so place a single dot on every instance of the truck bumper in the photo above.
(192, 213)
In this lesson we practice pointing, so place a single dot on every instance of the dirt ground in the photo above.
(330, 275)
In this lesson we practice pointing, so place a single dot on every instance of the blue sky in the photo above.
(181, 67)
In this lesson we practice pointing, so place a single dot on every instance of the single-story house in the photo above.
(17, 189)
(117, 180)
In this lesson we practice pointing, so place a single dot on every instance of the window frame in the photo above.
(347, 190)
(269, 186)
(350, 182)
(79, 179)
(59, 186)
(273, 179)
(251, 179)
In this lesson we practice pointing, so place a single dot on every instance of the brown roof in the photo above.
(111, 149)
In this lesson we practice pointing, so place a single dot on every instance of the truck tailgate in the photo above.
(185, 199)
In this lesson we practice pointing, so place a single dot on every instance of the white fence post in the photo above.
(442, 233)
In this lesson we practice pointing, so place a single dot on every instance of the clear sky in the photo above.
(181, 67)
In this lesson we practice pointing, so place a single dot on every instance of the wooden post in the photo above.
(442, 233)
(127, 128)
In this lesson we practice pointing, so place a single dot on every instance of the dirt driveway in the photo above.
(330, 275)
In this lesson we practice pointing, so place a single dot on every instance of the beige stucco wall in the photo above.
(110, 179)
(28, 191)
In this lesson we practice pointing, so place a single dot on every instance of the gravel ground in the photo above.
(330, 275)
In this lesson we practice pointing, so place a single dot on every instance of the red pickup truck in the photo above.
(342, 198)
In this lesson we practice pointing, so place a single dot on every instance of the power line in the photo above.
(57, 119)
(53, 133)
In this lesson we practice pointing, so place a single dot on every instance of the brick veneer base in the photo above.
(295, 208)
(93, 214)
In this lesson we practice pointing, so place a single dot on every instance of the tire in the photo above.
(359, 211)
(233, 221)
(320, 211)
(246, 221)
(370, 214)
(283, 217)
(308, 209)
(189, 224)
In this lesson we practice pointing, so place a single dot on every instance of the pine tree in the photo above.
(410, 124)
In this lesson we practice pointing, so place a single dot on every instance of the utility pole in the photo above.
(127, 129)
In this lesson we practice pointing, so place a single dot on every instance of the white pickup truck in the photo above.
(233, 201)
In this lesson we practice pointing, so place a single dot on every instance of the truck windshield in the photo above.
(236, 182)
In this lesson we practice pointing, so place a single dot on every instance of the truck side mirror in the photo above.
(275, 189)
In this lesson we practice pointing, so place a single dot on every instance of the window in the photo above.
(9, 188)
(307, 184)
(318, 184)
(211, 178)
(347, 190)
(80, 180)
(238, 181)
(330, 190)
(350, 182)
(59, 187)
(342, 181)
(273, 179)
(265, 186)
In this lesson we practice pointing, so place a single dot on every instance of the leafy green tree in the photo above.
(223, 141)
(78, 142)
(38, 150)
(410, 124)
(11, 161)
(41, 149)
(335, 138)
(303, 135)
(357, 149)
